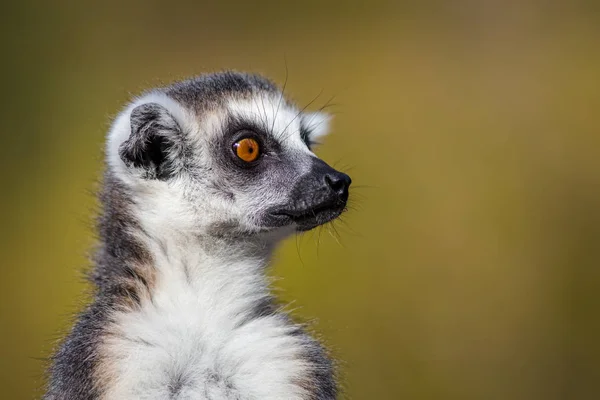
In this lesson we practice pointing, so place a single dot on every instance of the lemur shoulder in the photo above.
(203, 179)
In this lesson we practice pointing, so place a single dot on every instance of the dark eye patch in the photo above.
(238, 172)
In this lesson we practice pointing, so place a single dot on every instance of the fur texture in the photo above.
(182, 308)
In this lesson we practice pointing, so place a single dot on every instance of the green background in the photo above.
(469, 264)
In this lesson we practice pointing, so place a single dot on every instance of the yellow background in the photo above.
(469, 264)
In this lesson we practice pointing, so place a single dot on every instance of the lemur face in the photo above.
(226, 154)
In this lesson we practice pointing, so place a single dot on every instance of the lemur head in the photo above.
(225, 154)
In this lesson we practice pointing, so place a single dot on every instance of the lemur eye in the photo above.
(247, 149)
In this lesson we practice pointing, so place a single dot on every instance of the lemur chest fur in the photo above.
(197, 339)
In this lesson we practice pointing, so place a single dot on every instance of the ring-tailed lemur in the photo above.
(203, 178)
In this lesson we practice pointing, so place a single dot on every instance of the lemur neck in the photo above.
(140, 260)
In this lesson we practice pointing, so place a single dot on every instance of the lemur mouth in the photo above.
(307, 219)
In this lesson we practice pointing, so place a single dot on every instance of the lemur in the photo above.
(203, 178)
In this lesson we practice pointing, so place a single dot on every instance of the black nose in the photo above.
(339, 183)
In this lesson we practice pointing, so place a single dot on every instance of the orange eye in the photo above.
(247, 149)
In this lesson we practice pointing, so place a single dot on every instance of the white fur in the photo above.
(191, 326)
(318, 123)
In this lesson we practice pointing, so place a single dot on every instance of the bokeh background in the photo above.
(469, 265)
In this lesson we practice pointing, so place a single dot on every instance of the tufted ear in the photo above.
(155, 144)
(316, 125)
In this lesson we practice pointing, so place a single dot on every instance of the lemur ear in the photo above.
(155, 144)
(316, 125)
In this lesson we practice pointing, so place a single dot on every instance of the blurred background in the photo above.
(469, 265)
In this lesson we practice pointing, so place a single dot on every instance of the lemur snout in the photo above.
(318, 197)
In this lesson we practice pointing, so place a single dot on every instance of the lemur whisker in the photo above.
(281, 95)
(365, 187)
(300, 113)
(319, 239)
(262, 117)
(336, 236)
(333, 236)
(298, 237)
(328, 103)
(266, 122)
(347, 227)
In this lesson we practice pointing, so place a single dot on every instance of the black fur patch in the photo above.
(155, 143)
